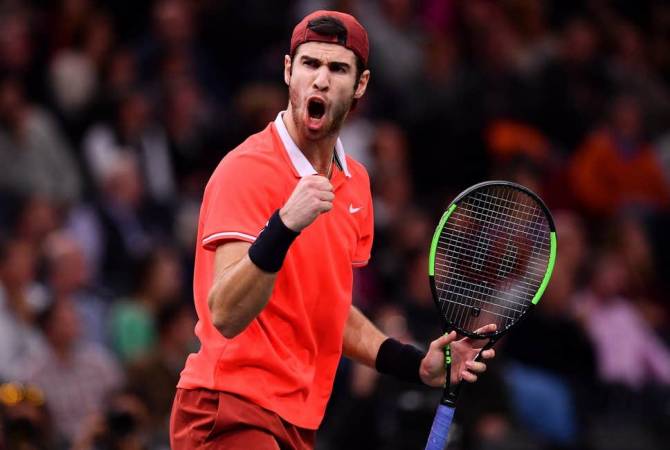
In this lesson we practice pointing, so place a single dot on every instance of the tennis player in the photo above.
(284, 219)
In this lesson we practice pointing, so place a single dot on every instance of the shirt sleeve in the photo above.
(237, 202)
(364, 245)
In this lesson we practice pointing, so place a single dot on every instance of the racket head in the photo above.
(491, 257)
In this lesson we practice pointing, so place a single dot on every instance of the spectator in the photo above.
(75, 376)
(34, 155)
(154, 376)
(132, 321)
(21, 300)
(616, 168)
(19, 48)
(395, 36)
(627, 350)
(134, 132)
(70, 279)
(191, 133)
(552, 386)
(128, 226)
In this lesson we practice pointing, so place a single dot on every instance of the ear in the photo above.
(287, 69)
(362, 84)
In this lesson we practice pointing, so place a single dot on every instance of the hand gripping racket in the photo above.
(490, 260)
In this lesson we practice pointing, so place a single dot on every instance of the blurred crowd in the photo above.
(113, 113)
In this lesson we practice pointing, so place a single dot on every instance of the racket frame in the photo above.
(449, 397)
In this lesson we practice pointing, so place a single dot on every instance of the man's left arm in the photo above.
(363, 342)
(362, 338)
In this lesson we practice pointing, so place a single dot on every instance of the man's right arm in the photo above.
(240, 289)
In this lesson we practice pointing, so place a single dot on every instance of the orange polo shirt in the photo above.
(286, 359)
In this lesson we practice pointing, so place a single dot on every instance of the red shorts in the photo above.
(204, 419)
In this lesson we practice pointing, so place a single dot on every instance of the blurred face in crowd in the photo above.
(399, 12)
(134, 114)
(11, 102)
(63, 327)
(173, 21)
(121, 71)
(627, 117)
(610, 276)
(390, 148)
(636, 245)
(38, 217)
(99, 38)
(17, 269)
(67, 267)
(572, 244)
(15, 46)
(580, 41)
(322, 86)
(164, 278)
(123, 182)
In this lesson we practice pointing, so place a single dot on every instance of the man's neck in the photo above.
(319, 153)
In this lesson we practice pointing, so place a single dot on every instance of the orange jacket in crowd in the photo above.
(605, 180)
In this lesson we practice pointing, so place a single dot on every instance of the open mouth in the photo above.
(316, 108)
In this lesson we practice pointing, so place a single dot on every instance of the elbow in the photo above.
(226, 329)
(223, 321)
(225, 326)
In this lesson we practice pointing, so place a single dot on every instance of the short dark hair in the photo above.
(330, 26)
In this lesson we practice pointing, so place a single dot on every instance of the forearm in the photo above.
(245, 276)
(239, 293)
(363, 343)
(362, 338)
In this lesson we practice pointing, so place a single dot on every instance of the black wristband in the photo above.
(400, 360)
(269, 249)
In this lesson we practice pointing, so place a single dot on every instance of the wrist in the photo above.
(287, 222)
(270, 247)
(403, 361)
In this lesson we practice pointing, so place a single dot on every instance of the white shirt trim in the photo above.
(228, 234)
(297, 157)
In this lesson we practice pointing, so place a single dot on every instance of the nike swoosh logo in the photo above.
(353, 210)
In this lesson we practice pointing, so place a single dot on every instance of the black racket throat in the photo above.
(449, 395)
(448, 327)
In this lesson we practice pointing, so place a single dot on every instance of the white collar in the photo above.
(297, 157)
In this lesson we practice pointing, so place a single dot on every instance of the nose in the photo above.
(322, 79)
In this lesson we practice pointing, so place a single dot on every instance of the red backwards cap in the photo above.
(357, 37)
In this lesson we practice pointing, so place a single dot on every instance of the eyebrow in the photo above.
(332, 65)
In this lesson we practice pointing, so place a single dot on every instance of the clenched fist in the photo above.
(312, 196)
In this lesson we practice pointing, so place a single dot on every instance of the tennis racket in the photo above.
(490, 260)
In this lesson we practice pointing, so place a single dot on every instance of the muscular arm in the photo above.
(240, 289)
(362, 338)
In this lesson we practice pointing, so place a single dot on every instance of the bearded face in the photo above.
(322, 86)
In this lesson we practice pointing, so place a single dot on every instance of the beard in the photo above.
(334, 115)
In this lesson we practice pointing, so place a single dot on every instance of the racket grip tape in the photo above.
(439, 432)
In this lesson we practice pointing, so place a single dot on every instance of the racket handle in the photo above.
(439, 432)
